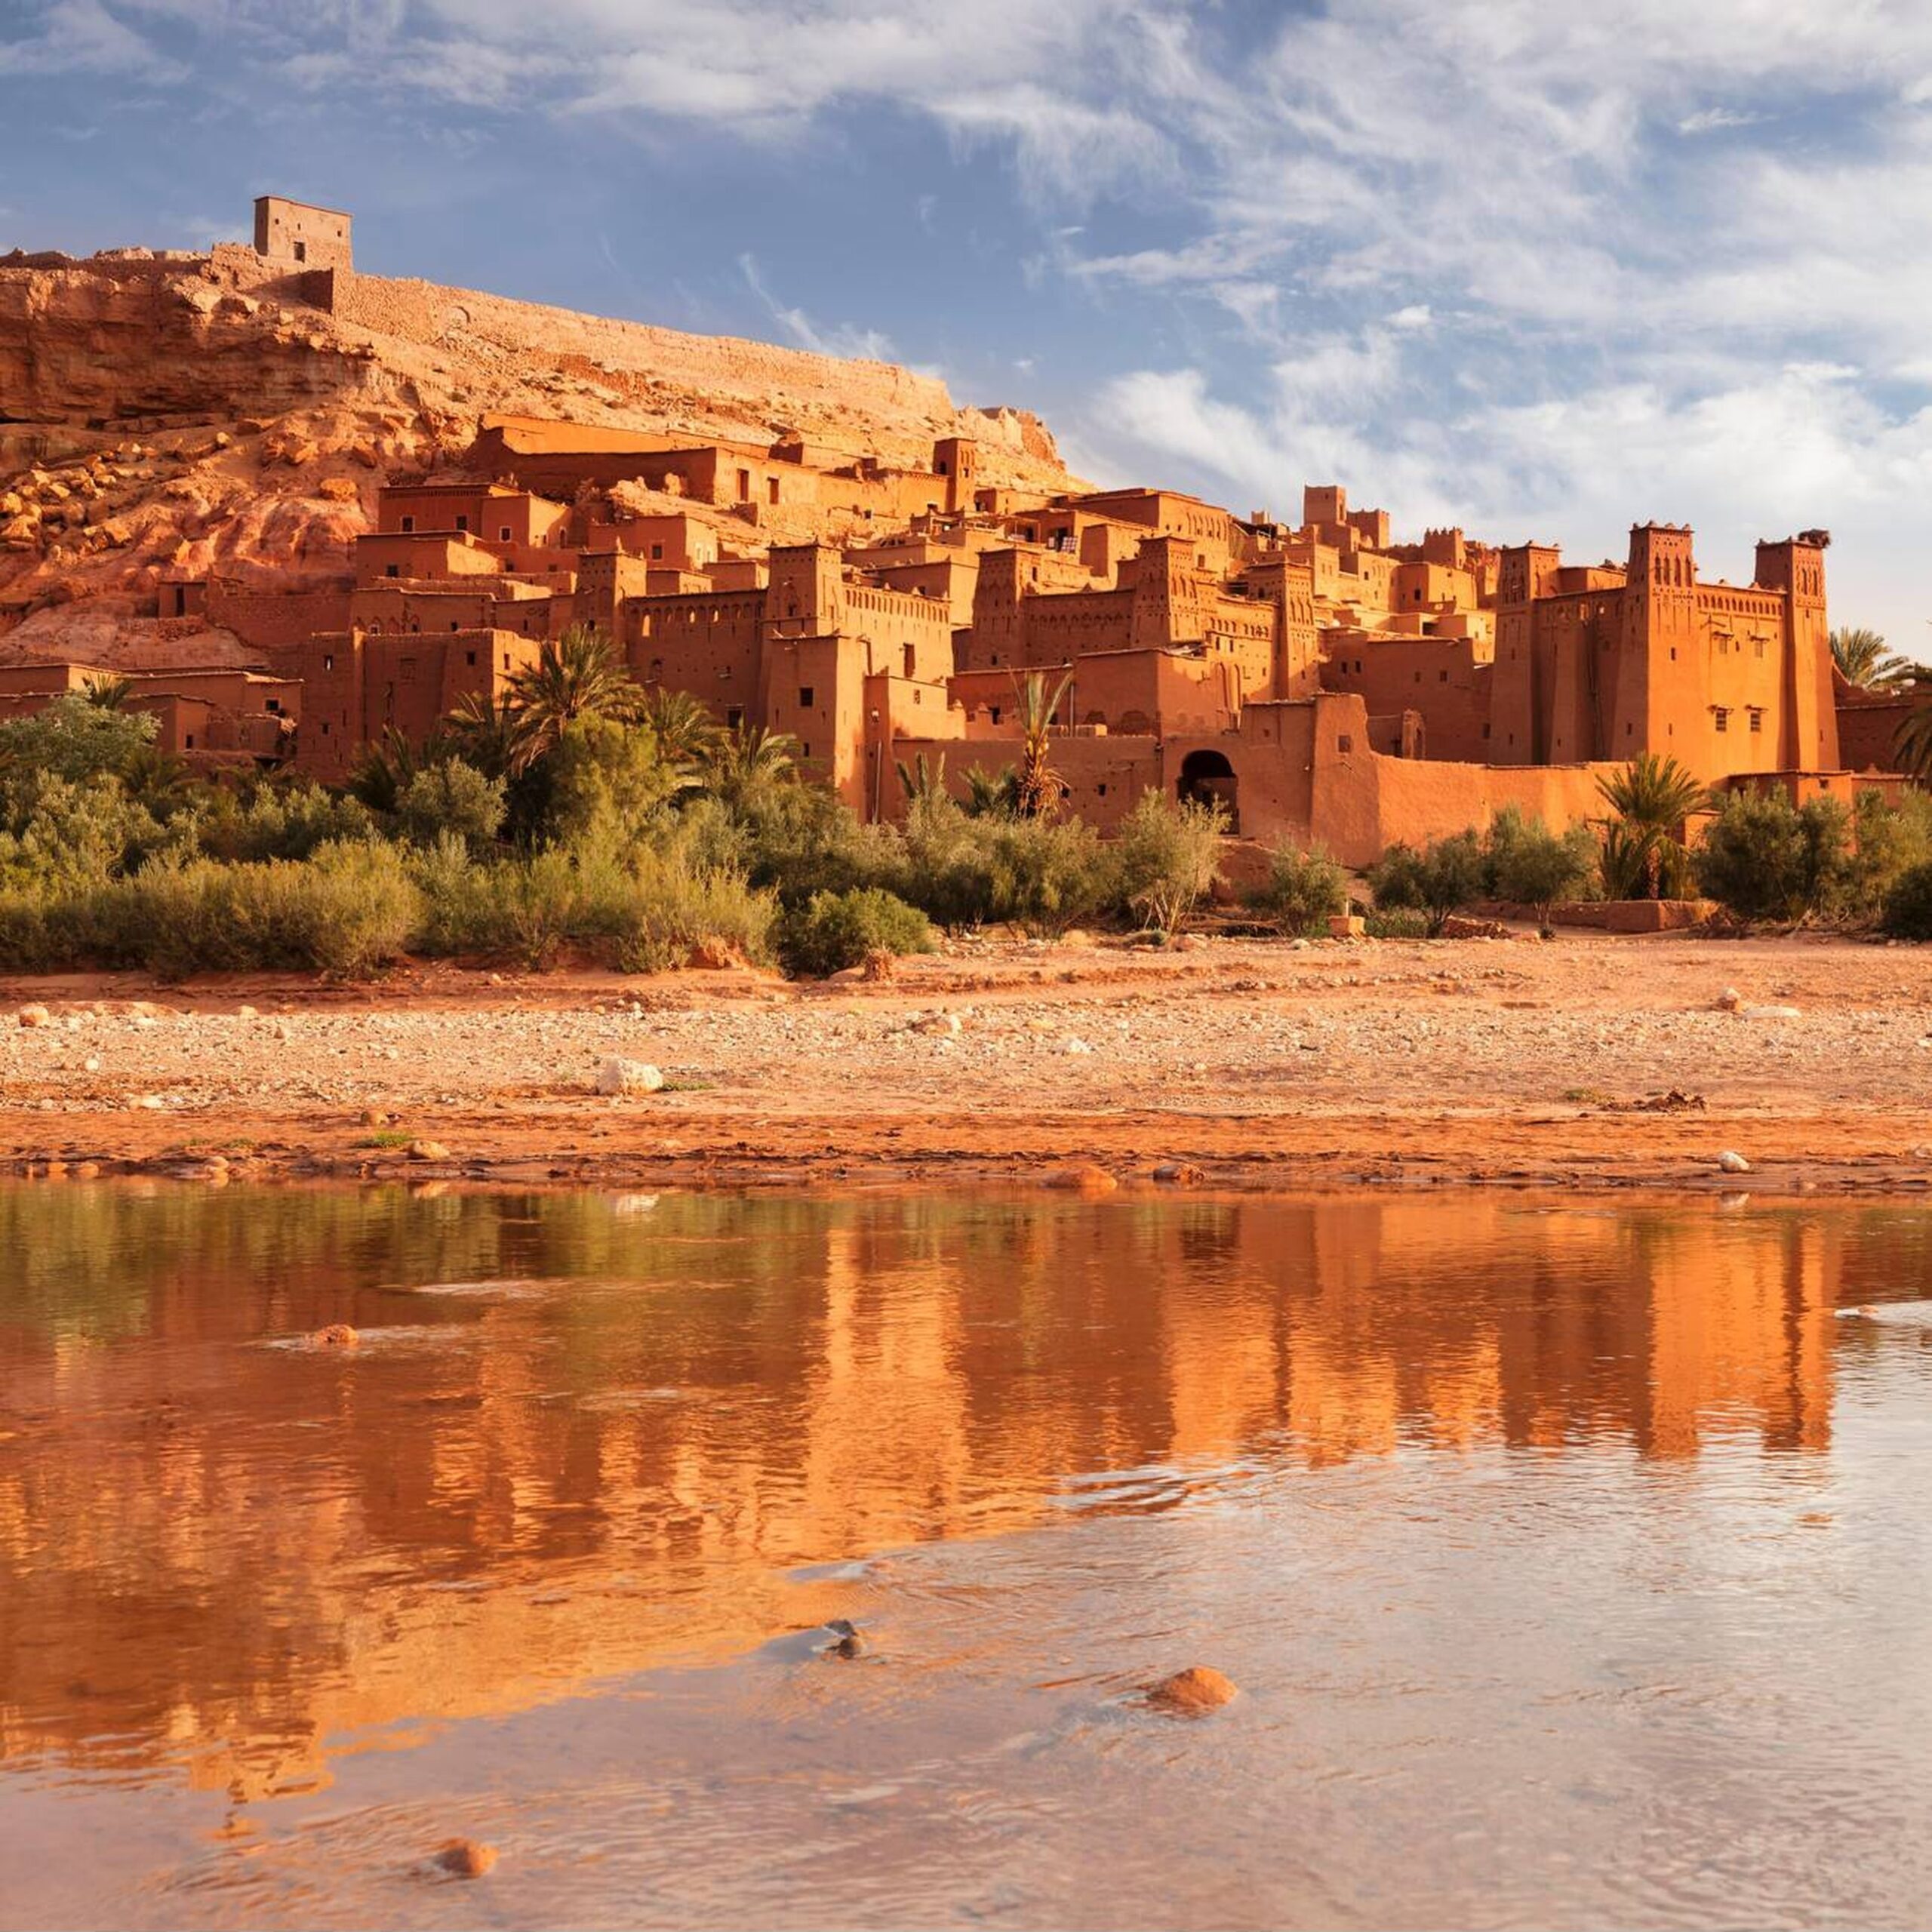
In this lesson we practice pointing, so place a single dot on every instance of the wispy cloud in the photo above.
(843, 339)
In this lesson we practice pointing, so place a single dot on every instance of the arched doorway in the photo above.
(1207, 778)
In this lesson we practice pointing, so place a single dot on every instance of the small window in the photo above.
(301, 255)
(409, 523)
(274, 707)
(1722, 719)
(734, 716)
(392, 570)
(191, 736)
(462, 523)
(503, 532)
(805, 697)
(1757, 719)
(805, 749)
(772, 485)
(469, 656)
(744, 486)
(328, 662)
(656, 553)
(1442, 677)
(1345, 743)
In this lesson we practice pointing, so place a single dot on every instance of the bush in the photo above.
(74, 739)
(1888, 842)
(279, 818)
(1303, 890)
(946, 863)
(1399, 922)
(1529, 865)
(1046, 875)
(606, 780)
(800, 840)
(1446, 876)
(453, 798)
(1167, 857)
(833, 930)
(673, 908)
(1762, 860)
(350, 909)
(1909, 904)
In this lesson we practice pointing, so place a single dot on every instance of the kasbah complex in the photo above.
(1327, 683)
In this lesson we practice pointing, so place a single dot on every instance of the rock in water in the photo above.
(337, 1335)
(1192, 1693)
(1179, 1173)
(428, 1150)
(628, 1076)
(465, 1858)
(1732, 1162)
(1083, 1179)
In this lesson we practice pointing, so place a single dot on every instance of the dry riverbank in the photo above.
(1585, 1061)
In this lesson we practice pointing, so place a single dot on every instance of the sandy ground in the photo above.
(1260, 1063)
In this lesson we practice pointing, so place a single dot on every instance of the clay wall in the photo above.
(275, 623)
(1439, 679)
(711, 645)
(1868, 724)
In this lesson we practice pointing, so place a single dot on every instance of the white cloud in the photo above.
(1708, 120)
(70, 36)
(842, 339)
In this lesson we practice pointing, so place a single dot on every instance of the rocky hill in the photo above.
(171, 417)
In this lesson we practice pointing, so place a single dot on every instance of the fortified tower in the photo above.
(806, 597)
(1810, 740)
(1660, 699)
(957, 459)
(303, 235)
(1522, 684)
(1166, 595)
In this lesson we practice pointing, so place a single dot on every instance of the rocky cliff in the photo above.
(190, 416)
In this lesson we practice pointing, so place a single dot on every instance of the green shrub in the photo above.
(606, 780)
(673, 908)
(833, 930)
(1527, 864)
(1046, 875)
(946, 865)
(1167, 858)
(1446, 876)
(1762, 860)
(74, 739)
(1400, 922)
(799, 840)
(1303, 890)
(450, 797)
(1909, 904)
(1888, 842)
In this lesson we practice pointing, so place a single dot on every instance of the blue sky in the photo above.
(1538, 267)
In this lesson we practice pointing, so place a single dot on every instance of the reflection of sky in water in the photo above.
(1545, 1544)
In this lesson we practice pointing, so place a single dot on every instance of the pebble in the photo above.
(1732, 1162)
(465, 1858)
(1179, 1173)
(428, 1150)
(1192, 1693)
(1769, 1013)
(628, 1076)
(35, 1016)
(1083, 1179)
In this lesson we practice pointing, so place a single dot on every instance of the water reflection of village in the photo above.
(219, 1554)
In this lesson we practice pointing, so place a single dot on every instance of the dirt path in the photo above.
(1259, 1063)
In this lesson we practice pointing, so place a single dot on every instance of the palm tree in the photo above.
(1039, 784)
(686, 733)
(749, 757)
(992, 794)
(109, 693)
(484, 734)
(1912, 749)
(1862, 659)
(920, 782)
(577, 675)
(1644, 844)
(382, 773)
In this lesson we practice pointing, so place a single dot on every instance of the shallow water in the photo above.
(1573, 1560)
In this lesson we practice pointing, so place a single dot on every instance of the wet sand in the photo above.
(1587, 1061)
